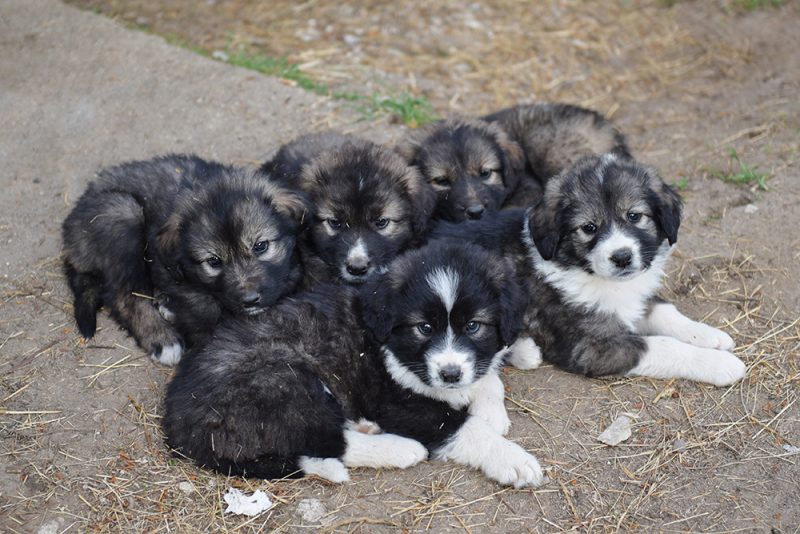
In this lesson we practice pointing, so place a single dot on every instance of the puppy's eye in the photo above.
(472, 327)
(589, 228)
(425, 329)
(441, 181)
(634, 217)
(214, 262)
(486, 173)
(381, 223)
(260, 247)
(335, 223)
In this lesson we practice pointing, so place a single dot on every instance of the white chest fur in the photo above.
(626, 299)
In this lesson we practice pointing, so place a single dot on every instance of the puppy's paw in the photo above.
(167, 355)
(166, 313)
(494, 414)
(724, 368)
(365, 426)
(703, 335)
(331, 469)
(525, 354)
(514, 466)
(381, 450)
(409, 453)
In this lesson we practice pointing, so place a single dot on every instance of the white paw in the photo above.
(331, 469)
(494, 414)
(411, 453)
(381, 450)
(365, 426)
(725, 368)
(702, 335)
(514, 466)
(525, 354)
(169, 355)
(166, 313)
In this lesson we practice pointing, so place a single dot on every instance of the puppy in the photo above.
(593, 252)
(197, 237)
(472, 164)
(369, 205)
(283, 394)
(553, 137)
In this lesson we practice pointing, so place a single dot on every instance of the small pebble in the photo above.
(186, 487)
(311, 510)
(219, 55)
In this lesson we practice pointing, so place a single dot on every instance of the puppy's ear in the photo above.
(544, 221)
(376, 310)
(667, 208)
(408, 148)
(513, 303)
(167, 242)
(289, 203)
(513, 158)
(422, 196)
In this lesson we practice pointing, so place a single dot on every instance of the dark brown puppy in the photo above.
(472, 164)
(198, 237)
(553, 137)
(369, 205)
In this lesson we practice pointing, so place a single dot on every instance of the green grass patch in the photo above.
(682, 184)
(752, 5)
(744, 175)
(410, 110)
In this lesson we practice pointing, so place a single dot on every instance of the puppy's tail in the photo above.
(86, 288)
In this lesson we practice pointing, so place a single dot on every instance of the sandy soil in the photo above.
(79, 422)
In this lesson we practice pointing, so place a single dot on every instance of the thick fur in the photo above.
(472, 164)
(594, 251)
(369, 205)
(198, 238)
(280, 394)
(554, 136)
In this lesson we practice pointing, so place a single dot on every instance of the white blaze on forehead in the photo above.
(444, 282)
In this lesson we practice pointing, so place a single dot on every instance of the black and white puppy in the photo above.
(472, 164)
(197, 237)
(284, 393)
(594, 252)
(369, 205)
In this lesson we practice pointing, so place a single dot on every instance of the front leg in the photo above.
(525, 354)
(667, 357)
(487, 401)
(475, 444)
(664, 319)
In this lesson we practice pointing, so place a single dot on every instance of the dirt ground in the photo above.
(688, 82)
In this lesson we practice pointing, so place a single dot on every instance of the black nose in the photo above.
(358, 267)
(251, 299)
(474, 212)
(622, 257)
(450, 373)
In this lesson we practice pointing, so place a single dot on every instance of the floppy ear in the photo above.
(290, 203)
(668, 210)
(409, 146)
(513, 303)
(423, 199)
(513, 158)
(376, 311)
(167, 241)
(545, 226)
